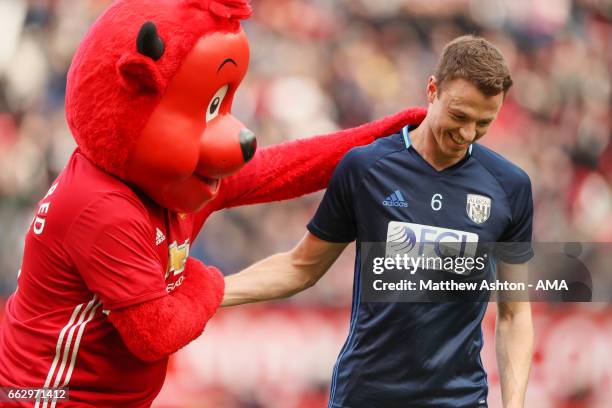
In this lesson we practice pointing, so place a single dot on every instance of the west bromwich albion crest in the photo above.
(478, 208)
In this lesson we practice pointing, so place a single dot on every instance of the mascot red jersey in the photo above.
(107, 290)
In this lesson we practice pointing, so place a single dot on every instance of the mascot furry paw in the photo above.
(107, 289)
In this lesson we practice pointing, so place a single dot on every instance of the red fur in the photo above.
(299, 167)
(112, 90)
(139, 74)
(156, 329)
(240, 9)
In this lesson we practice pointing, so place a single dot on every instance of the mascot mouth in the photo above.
(212, 183)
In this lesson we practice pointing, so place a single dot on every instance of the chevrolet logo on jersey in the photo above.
(177, 257)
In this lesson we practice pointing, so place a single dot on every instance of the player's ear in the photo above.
(432, 89)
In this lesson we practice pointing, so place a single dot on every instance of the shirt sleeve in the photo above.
(112, 245)
(515, 245)
(335, 219)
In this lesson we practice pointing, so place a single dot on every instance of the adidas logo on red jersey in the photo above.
(160, 237)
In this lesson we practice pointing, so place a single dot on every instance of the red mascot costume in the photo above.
(107, 290)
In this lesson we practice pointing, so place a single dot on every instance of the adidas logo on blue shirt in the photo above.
(395, 199)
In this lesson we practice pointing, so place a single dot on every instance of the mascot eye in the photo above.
(215, 104)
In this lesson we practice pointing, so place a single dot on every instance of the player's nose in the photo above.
(468, 133)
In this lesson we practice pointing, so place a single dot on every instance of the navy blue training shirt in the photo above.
(409, 354)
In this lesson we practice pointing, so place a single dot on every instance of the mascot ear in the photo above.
(139, 74)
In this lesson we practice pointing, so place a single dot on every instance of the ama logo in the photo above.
(395, 199)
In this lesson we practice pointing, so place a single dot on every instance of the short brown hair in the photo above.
(476, 60)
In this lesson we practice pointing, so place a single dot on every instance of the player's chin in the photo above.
(453, 146)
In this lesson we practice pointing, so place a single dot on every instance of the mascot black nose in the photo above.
(248, 144)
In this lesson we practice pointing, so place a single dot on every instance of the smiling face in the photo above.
(459, 114)
(191, 140)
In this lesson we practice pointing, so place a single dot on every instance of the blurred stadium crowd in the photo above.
(320, 65)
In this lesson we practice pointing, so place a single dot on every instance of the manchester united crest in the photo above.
(478, 208)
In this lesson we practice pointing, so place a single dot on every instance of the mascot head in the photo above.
(149, 96)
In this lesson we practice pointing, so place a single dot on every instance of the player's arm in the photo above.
(284, 274)
(330, 230)
(513, 337)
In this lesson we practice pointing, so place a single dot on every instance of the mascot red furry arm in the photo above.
(299, 167)
(182, 314)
